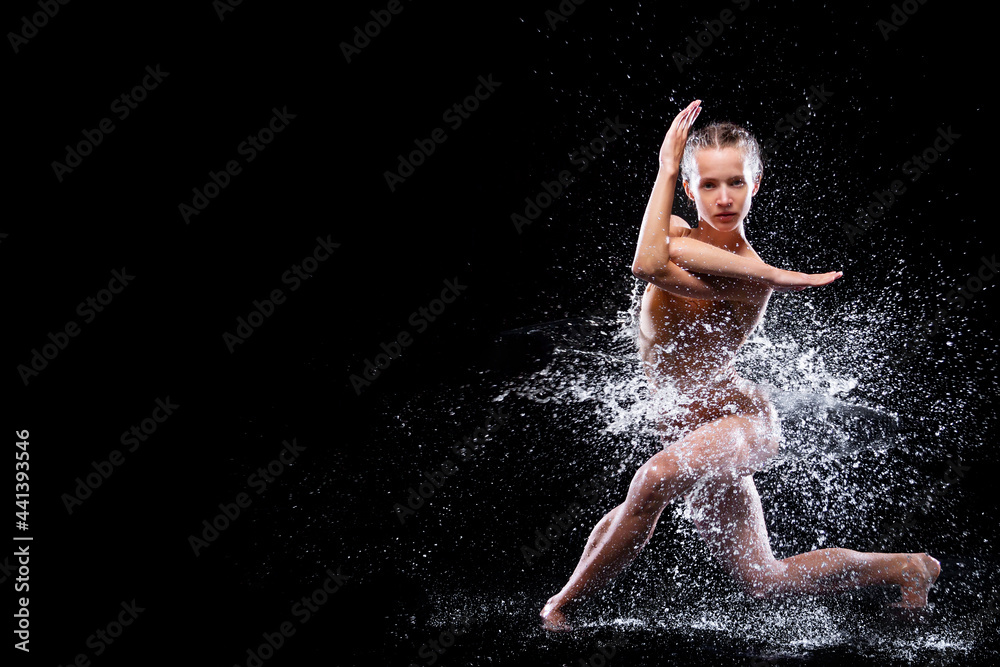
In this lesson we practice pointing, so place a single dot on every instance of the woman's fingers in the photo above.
(694, 116)
(685, 116)
(818, 279)
(676, 137)
(829, 277)
(689, 115)
(679, 120)
(794, 280)
(689, 121)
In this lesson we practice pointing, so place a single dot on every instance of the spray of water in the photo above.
(874, 408)
(855, 450)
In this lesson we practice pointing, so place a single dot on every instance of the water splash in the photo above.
(854, 450)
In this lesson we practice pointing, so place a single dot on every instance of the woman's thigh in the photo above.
(725, 448)
(721, 451)
(737, 414)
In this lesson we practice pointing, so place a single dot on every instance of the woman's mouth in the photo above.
(725, 217)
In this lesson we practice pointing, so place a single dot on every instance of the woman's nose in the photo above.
(725, 198)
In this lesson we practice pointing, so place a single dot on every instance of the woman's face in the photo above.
(722, 189)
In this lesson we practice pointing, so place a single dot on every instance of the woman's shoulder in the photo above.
(679, 227)
(748, 251)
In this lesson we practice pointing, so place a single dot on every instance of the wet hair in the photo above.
(721, 135)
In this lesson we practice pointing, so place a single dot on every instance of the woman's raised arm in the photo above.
(668, 260)
(653, 250)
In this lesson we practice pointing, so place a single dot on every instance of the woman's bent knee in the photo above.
(650, 490)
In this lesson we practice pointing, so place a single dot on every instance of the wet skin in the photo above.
(713, 463)
(691, 326)
(691, 344)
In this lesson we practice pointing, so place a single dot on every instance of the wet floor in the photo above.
(716, 629)
(478, 492)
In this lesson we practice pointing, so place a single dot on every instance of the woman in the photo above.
(707, 289)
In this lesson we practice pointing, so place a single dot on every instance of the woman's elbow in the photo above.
(641, 272)
(646, 272)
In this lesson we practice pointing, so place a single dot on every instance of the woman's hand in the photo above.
(793, 281)
(673, 144)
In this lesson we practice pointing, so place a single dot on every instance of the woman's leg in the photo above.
(730, 519)
(728, 447)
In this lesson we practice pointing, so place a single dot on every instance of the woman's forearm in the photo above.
(701, 257)
(675, 280)
(654, 234)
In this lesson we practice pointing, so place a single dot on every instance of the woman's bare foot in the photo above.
(919, 573)
(553, 619)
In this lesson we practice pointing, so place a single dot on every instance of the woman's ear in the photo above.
(687, 190)
(756, 186)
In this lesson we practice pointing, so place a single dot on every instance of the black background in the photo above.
(324, 176)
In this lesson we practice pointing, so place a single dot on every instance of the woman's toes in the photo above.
(933, 567)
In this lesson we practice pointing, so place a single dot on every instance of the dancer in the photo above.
(707, 289)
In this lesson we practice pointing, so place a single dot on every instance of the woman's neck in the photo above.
(731, 241)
